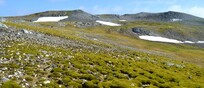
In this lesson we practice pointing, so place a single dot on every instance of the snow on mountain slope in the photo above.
(50, 19)
(176, 20)
(200, 42)
(123, 20)
(167, 40)
(189, 42)
(108, 23)
(159, 39)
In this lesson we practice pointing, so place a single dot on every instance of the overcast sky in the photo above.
(22, 7)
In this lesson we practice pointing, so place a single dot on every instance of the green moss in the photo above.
(88, 84)
(28, 78)
(74, 85)
(10, 84)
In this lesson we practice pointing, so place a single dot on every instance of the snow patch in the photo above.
(108, 23)
(159, 39)
(122, 20)
(200, 42)
(167, 40)
(51, 19)
(176, 20)
(189, 42)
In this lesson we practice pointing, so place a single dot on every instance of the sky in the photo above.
(24, 7)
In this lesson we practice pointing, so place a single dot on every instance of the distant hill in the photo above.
(80, 15)
(184, 26)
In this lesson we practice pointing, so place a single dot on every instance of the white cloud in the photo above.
(194, 10)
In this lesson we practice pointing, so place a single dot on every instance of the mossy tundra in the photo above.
(112, 59)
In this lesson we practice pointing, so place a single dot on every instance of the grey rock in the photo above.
(4, 79)
(170, 64)
(26, 31)
(141, 31)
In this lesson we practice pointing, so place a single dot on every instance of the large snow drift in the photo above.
(200, 42)
(159, 39)
(50, 19)
(108, 23)
(167, 40)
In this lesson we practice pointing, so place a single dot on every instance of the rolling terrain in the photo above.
(101, 51)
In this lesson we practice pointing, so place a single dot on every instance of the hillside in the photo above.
(85, 51)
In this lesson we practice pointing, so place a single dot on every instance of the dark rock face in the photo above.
(141, 31)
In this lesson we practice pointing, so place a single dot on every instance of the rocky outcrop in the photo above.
(85, 24)
(140, 31)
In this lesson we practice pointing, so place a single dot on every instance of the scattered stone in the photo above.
(95, 39)
(26, 31)
(46, 82)
(170, 64)
(179, 66)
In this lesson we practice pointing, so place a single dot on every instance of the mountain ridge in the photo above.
(161, 16)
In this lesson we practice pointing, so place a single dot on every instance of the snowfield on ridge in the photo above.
(167, 40)
(108, 23)
(159, 39)
(51, 19)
